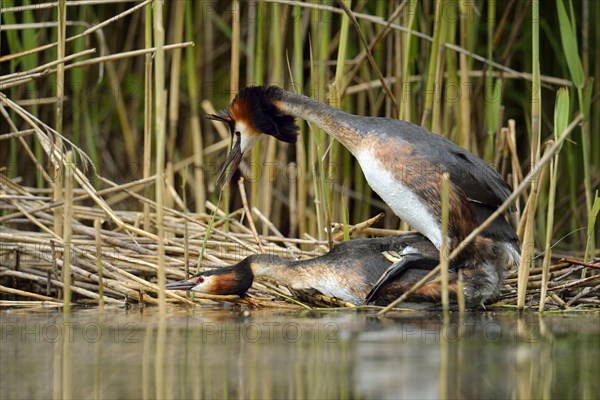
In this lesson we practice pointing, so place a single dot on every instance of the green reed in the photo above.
(451, 92)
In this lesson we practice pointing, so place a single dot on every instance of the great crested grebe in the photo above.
(402, 162)
(349, 272)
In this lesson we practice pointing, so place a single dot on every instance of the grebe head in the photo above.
(234, 279)
(252, 113)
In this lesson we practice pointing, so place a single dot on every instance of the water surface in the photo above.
(232, 353)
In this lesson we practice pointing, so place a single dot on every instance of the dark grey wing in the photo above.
(480, 182)
(483, 186)
(485, 189)
(395, 270)
(366, 254)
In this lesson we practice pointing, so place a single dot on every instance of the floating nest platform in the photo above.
(119, 249)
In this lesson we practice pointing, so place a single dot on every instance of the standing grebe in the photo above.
(349, 272)
(401, 161)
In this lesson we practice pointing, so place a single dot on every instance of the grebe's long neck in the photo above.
(335, 122)
(329, 278)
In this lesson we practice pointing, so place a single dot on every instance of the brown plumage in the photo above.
(350, 272)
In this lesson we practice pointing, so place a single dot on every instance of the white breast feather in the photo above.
(331, 286)
(406, 204)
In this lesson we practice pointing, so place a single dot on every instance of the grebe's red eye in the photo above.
(200, 279)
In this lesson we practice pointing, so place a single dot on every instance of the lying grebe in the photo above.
(349, 272)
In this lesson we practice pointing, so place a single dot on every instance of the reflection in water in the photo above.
(443, 375)
(159, 363)
(146, 354)
(98, 366)
(55, 357)
(275, 354)
(67, 371)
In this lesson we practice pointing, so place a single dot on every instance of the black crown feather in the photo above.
(265, 116)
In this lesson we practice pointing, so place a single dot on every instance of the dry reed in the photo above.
(126, 234)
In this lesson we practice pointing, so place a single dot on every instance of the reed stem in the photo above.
(147, 152)
(97, 230)
(67, 233)
(160, 114)
(196, 132)
(60, 93)
(444, 247)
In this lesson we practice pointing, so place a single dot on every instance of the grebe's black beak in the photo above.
(181, 285)
(234, 158)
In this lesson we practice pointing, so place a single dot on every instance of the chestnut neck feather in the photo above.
(234, 279)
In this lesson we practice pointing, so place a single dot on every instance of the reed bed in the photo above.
(123, 87)
(119, 266)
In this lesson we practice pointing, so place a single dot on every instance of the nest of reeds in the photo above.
(70, 234)
(114, 258)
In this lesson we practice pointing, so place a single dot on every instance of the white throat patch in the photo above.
(247, 136)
